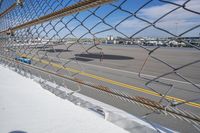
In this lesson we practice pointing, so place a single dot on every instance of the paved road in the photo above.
(119, 69)
(123, 64)
(131, 59)
(120, 66)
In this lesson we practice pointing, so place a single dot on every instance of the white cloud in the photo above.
(157, 11)
(133, 23)
(176, 22)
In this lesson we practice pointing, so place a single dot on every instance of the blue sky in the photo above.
(177, 22)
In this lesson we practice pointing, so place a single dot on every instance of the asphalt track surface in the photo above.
(119, 69)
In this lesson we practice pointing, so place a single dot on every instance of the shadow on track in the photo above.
(81, 59)
(56, 50)
(17, 131)
(105, 56)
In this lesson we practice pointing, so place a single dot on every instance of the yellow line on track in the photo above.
(193, 104)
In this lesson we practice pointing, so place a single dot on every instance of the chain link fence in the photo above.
(100, 43)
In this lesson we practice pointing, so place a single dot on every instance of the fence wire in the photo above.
(74, 38)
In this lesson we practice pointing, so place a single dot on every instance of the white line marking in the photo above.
(135, 73)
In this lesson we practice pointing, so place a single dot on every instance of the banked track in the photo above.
(138, 100)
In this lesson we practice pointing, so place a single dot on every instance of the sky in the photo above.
(176, 22)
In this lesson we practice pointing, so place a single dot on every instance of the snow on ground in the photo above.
(25, 107)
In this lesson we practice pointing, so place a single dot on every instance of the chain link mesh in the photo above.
(84, 41)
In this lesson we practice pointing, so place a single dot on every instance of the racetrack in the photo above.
(119, 69)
